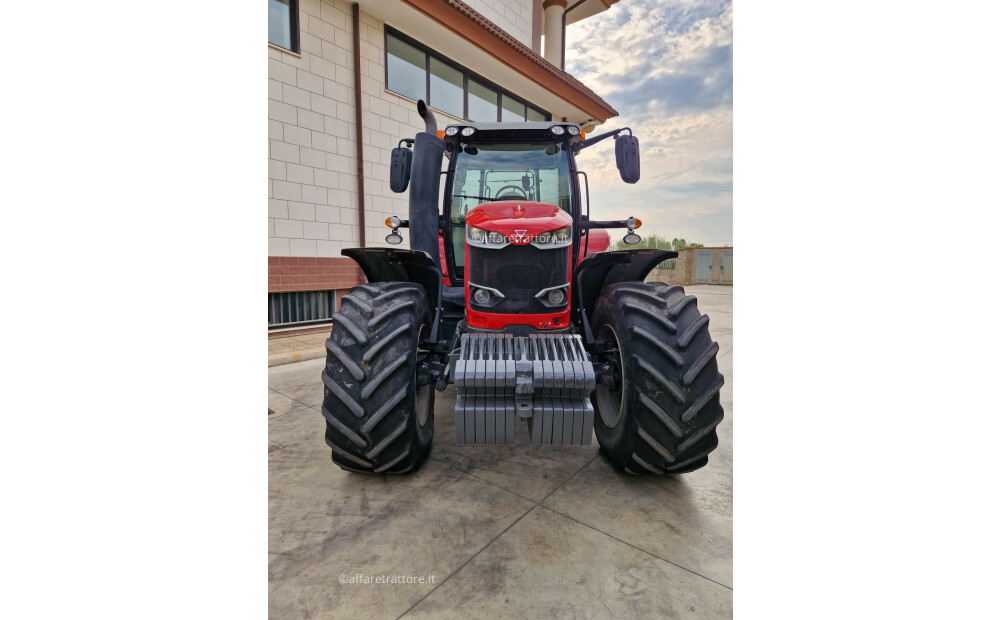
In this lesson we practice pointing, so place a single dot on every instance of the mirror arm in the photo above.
(579, 146)
(603, 224)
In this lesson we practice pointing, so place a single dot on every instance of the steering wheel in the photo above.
(513, 187)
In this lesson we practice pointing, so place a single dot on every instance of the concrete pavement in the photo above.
(494, 531)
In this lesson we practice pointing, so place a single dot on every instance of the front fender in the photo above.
(597, 271)
(392, 265)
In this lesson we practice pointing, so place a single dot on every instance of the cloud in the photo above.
(667, 68)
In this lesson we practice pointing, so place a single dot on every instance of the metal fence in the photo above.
(300, 308)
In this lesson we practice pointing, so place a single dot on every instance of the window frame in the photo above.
(293, 26)
(467, 74)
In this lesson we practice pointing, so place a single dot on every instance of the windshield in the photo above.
(486, 172)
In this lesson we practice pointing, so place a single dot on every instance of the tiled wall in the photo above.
(514, 16)
(312, 179)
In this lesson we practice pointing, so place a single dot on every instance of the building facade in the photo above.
(343, 80)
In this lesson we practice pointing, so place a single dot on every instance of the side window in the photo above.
(550, 187)
(466, 191)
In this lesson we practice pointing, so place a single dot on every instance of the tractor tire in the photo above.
(377, 419)
(662, 417)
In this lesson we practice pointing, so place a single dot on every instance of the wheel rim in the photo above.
(423, 392)
(609, 402)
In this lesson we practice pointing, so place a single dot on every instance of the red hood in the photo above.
(504, 216)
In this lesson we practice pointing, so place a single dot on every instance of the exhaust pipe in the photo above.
(428, 115)
(425, 183)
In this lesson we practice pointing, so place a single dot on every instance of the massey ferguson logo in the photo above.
(520, 237)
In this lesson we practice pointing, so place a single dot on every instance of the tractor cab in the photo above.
(504, 162)
(512, 219)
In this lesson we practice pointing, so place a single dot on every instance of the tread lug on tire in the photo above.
(663, 418)
(377, 419)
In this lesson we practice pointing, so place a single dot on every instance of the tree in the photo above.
(679, 244)
(655, 241)
(652, 241)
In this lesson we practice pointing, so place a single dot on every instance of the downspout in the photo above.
(565, 13)
(356, 13)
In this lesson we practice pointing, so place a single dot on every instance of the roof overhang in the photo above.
(588, 8)
(454, 30)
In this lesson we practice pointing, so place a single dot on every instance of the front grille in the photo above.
(519, 272)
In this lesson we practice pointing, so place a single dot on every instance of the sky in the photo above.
(667, 67)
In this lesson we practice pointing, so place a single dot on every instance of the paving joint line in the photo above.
(585, 466)
(455, 572)
(536, 505)
(468, 473)
(294, 400)
(638, 548)
(281, 415)
(540, 504)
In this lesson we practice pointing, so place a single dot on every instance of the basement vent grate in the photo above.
(300, 308)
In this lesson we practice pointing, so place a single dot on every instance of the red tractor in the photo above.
(508, 293)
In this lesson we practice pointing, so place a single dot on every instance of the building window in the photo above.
(418, 72)
(283, 24)
(446, 88)
(535, 115)
(482, 102)
(513, 110)
(405, 69)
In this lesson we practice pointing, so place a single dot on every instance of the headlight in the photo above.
(482, 296)
(485, 238)
(558, 130)
(451, 131)
(573, 130)
(553, 297)
(468, 131)
(553, 239)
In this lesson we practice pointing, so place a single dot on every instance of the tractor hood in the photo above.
(525, 217)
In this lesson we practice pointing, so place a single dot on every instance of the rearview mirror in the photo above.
(627, 157)
(399, 169)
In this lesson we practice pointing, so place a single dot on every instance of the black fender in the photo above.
(392, 265)
(602, 269)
